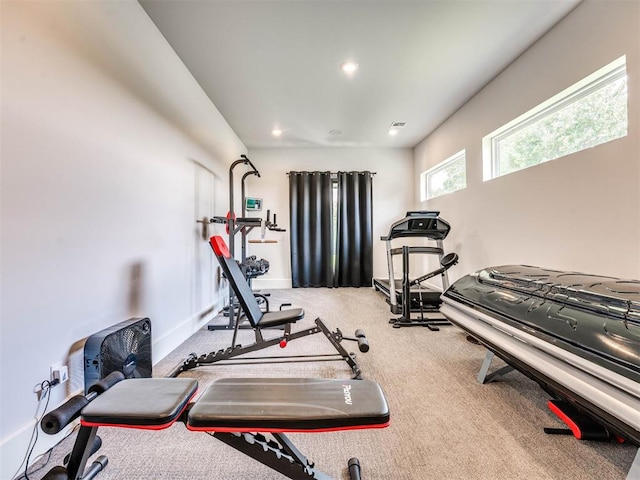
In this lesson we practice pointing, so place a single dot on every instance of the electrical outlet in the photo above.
(59, 372)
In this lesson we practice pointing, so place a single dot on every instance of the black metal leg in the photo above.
(335, 339)
(82, 450)
(279, 454)
(354, 469)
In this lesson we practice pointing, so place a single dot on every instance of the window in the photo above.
(446, 177)
(589, 113)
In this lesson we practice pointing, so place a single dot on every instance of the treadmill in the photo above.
(420, 297)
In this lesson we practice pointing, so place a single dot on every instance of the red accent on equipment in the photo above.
(575, 429)
(283, 343)
(282, 430)
(226, 225)
(124, 425)
(219, 246)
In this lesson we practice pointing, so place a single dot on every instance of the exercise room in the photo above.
(317, 239)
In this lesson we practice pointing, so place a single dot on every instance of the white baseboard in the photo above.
(13, 448)
(170, 340)
(270, 283)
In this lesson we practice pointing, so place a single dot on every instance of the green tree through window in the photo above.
(592, 112)
(446, 177)
(596, 118)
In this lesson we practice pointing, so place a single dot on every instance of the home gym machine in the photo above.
(251, 266)
(406, 295)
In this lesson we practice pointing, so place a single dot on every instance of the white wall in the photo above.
(580, 212)
(392, 196)
(101, 126)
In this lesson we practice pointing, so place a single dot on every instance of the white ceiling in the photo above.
(267, 63)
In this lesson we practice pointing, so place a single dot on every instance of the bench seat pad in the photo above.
(281, 317)
(152, 403)
(289, 405)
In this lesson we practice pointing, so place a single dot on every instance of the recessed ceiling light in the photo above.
(395, 128)
(276, 132)
(349, 67)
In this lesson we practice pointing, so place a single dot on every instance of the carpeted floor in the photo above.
(444, 425)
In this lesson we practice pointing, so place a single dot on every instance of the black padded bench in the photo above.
(230, 409)
(289, 405)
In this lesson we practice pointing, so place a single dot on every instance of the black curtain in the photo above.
(331, 249)
(311, 218)
(354, 252)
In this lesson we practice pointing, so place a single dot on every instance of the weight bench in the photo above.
(273, 321)
(231, 410)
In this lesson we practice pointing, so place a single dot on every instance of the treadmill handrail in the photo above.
(418, 249)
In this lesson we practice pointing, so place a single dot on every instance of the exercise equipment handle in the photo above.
(363, 343)
(248, 162)
(448, 261)
(106, 383)
(54, 421)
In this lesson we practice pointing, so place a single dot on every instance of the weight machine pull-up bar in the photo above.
(231, 215)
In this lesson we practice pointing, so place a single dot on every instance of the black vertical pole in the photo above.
(406, 286)
(231, 222)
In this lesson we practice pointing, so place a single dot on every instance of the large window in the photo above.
(446, 177)
(589, 113)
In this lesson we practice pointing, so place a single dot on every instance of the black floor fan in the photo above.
(124, 347)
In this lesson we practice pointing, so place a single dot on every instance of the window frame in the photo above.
(591, 83)
(425, 191)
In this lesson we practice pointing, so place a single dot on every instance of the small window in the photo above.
(446, 177)
(589, 113)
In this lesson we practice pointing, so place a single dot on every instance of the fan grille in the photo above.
(125, 347)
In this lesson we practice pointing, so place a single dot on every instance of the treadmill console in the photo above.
(420, 224)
